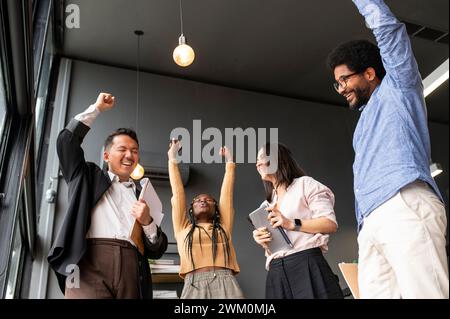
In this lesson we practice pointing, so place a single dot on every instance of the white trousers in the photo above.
(402, 247)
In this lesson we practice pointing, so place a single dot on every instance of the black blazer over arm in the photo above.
(87, 183)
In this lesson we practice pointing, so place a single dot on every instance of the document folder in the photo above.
(154, 203)
(350, 273)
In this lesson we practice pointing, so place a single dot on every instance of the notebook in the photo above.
(258, 218)
(148, 193)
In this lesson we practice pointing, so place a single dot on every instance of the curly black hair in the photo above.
(357, 55)
(120, 131)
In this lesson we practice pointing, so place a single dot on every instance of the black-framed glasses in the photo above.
(342, 82)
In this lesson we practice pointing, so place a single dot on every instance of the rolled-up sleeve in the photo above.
(320, 199)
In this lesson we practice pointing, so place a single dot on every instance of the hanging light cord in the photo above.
(181, 17)
(137, 82)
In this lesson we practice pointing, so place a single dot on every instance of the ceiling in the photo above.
(271, 46)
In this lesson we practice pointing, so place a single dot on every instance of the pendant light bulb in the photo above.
(138, 172)
(183, 55)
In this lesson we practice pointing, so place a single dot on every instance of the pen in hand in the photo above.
(281, 230)
(285, 236)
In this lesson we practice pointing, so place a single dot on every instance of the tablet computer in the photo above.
(258, 218)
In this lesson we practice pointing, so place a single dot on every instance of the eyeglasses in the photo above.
(342, 82)
(207, 200)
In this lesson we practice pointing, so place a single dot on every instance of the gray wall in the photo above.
(319, 136)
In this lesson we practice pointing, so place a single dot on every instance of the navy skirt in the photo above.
(303, 275)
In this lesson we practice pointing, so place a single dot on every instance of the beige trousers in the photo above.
(219, 284)
(402, 247)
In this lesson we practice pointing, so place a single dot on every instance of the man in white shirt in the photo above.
(96, 231)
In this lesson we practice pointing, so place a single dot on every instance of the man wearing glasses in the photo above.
(400, 212)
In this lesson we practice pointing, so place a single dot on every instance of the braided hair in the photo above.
(217, 232)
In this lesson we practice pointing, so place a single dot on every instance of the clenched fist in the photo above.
(105, 101)
(174, 147)
(225, 152)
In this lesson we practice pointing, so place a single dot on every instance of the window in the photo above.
(41, 14)
(23, 235)
(43, 58)
(43, 85)
(2, 102)
(17, 205)
(3, 93)
(15, 261)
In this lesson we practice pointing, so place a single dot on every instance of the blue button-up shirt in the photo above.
(391, 140)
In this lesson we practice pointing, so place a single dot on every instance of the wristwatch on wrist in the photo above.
(298, 224)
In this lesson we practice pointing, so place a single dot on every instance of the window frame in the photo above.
(4, 61)
(14, 274)
(42, 10)
(17, 149)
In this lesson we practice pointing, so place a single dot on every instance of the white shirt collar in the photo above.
(114, 178)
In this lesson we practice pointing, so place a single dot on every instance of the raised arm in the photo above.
(179, 216)
(68, 145)
(226, 193)
(395, 46)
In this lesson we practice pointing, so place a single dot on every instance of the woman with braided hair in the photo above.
(204, 235)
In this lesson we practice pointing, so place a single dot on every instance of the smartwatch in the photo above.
(298, 224)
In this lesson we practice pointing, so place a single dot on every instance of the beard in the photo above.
(362, 96)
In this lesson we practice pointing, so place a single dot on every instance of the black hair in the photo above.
(287, 169)
(217, 232)
(357, 55)
(120, 131)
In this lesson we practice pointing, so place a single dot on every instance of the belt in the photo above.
(110, 242)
